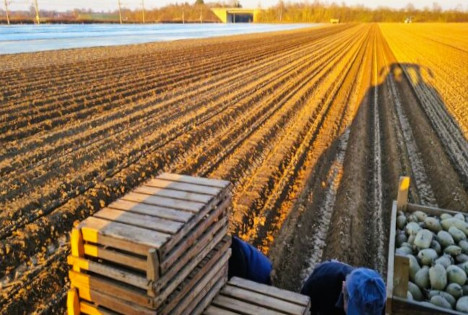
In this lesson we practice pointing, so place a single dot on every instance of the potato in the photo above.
(455, 290)
(456, 234)
(421, 216)
(440, 301)
(462, 304)
(413, 266)
(415, 291)
(404, 250)
(464, 246)
(445, 238)
(444, 216)
(412, 228)
(444, 260)
(432, 224)
(422, 278)
(456, 275)
(438, 277)
(424, 238)
(453, 250)
(462, 258)
(401, 222)
(427, 256)
(435, 245)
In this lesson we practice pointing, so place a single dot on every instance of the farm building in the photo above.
(236, 15)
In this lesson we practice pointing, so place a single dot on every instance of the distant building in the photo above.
(334, 21)
(236, 15)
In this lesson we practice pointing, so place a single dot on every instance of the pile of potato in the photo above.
(437, 248)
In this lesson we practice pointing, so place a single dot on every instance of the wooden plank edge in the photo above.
(203, 304)
(391, 258)
(169, 282)
(403, 190)
(185, 187)
(110, 272)
(430, 210)
(426, 309)
(219, 271)
(108, 286)
(184, 288)
(113, 303)
(214, 310)
(91, 309)
(188, 235)
(202, 181)
(262, 300)
(73, 302)
(272, 291)
(123, 259)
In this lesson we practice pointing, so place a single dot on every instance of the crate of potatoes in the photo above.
(428, 259)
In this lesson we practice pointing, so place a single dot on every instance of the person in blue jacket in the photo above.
(248, 262)
(338, 288)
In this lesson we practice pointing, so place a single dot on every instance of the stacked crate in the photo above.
(162, 248)
(240, 296)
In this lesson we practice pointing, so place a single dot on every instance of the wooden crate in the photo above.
(398, 265)
(142, 248)
(240, 296)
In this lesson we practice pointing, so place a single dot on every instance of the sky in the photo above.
(110, 5)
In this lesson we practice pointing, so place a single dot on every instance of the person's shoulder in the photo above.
(333, 266)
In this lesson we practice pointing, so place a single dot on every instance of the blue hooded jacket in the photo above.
(248, 262)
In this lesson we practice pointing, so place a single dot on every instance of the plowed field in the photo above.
(313, 127)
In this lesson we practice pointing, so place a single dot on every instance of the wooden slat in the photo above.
(198, 272)
(168, 270)
(403, 190)
(73, 302)
(115, 256)
(405, 307)
(429, 210)
(203, 304)
(190, 206)
(235, 305)
(195, 180)
(101, 284)
(114, 303)
(134, 239)
(90, 309)
(174, 194)
(270, 291)
(190, 232)
(110, 272)
(202, 288)
(401, 276)
(213, 310)
(140, 220)
(391, 256)
(160, 183)
(165, 213)
(260, 299)
(174, 276)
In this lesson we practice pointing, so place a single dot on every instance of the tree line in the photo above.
(315, 12)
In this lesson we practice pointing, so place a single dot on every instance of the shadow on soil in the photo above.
(351, 235)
